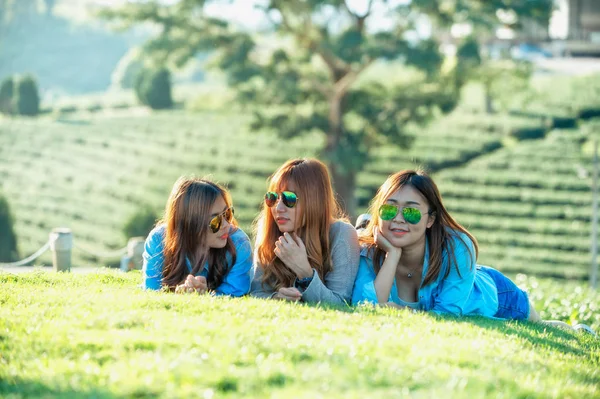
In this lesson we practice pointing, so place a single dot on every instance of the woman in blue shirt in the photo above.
(414, 254)
(198, 247)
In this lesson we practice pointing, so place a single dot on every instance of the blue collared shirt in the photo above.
(473, 292)
(235, 283)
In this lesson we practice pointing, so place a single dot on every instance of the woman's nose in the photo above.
(280, 206)
(399, 218)
(225, 223)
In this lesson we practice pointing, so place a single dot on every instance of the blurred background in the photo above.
(104, 104)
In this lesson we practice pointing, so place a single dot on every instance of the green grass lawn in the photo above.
(99, 335)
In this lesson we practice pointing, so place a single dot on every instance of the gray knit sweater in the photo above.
(338, 284)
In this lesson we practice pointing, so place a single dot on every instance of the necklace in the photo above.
(410, 272)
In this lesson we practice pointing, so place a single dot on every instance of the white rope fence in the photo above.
(30, 258)
(61, 244)
(112, 254)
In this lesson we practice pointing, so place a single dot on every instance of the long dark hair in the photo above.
(439, 235)
(316, 206)
(187, 216)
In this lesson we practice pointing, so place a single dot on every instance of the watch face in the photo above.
(303, 283)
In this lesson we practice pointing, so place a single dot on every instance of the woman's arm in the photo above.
(237, 281)
(257, 289)
(387, 272)
(153, 259)
(338, 284)
(455, 290)
(364, 287)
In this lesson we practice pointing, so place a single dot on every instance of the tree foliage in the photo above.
(26, 99)
(153, 88)
(500, 78)
(308, 76)
(7, 88)
(8, 238)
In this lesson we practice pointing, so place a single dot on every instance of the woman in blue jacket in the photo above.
(198, 247)
(415, 255)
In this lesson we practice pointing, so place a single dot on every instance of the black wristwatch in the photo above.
(303, 283)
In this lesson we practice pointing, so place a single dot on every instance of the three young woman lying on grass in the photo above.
(412, 253)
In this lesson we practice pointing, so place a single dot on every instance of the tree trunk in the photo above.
(345, 185)
(344, 181)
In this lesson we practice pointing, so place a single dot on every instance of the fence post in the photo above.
(61, 243)
(135, 249)
(133, 260)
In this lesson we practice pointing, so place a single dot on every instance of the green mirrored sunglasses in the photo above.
(410, 215)
(289, 198)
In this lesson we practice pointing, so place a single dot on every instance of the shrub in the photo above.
(528, 133)
(153, 88)
(468, 52)
(140, 223)
(26, 100)
(7, 89)
(8, 238)
(589, 113)
(560, 122)
(66, 109)
(125, 73)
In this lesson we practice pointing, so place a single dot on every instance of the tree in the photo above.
(313, 81)
(8, 241)
(26, 100)
(498, 77)
(140, 223)
(7, 88)
(153, 88)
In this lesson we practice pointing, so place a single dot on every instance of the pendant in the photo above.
(409, 275)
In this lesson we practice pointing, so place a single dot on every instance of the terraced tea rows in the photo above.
(529, 206)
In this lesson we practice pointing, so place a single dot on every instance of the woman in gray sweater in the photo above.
(304, 250)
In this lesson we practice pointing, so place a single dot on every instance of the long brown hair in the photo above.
(187, 216)
(317, 208)
(439, 235)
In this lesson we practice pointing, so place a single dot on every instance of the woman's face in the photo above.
(218, 239)
(398, 231)
(285, 217)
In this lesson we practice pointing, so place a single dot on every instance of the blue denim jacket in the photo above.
(472, 293)
(235, 283)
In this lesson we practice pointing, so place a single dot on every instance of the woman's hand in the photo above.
(192, 284)
(292, 252)
(384, 244)
(288, 294)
